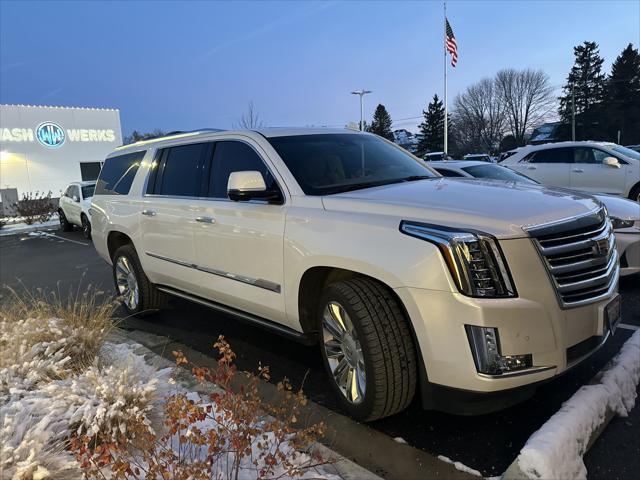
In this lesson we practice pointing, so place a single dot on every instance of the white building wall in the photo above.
(30, 165)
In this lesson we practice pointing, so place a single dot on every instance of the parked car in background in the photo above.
(592, 167)
(433, 156)
(635, 148)
(624, 214)
(406, 281)
(480, 157)
(74, 205)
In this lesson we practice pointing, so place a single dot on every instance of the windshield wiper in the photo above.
(413, 178)
(378, 183)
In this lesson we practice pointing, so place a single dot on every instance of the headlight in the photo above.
(474, 259)
(620, 223)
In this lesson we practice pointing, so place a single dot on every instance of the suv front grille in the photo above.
(580, 256)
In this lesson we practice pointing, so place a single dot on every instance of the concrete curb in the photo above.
(359, 451)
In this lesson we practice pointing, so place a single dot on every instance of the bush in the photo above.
(35, 207)
(233, 435)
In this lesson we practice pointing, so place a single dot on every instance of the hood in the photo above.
(620, 207)
(494, 207)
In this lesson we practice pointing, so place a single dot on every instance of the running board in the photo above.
(304, 338)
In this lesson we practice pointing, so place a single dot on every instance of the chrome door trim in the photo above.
(256, 282)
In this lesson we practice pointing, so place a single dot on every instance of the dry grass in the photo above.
(83, 320)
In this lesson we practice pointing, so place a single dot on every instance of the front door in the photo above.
(239, 245)
(590, 174)
(551, 166)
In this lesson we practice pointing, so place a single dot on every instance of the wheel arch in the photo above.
(117, 239)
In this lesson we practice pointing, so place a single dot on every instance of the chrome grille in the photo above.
(580, 256)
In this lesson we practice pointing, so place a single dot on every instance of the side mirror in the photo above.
(249, 185)
(611, 162)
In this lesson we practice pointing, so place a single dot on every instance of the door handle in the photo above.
(532, 168)
(578, 170)
(149, 213)
(205, 220)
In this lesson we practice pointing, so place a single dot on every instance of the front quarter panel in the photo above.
(368, 244)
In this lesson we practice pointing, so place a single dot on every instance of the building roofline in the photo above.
(58, 107)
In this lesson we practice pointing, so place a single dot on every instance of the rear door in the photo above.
(167, 218)
(239, 245)
(551, 166)
(589, 174)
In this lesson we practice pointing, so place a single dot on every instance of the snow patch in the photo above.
(556, 449)
(460, 466)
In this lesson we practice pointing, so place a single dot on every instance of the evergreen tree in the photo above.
(432, 128)
(588, 82)
(381, 124)
(622, 109)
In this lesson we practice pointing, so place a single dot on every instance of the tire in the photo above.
(635, 193)
(65, 226)
(382, 344)
(86, 226)
(147, 299)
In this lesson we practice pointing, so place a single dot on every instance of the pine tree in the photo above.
(381, 124)
(622, 109)
(588, 82)
(432, 128)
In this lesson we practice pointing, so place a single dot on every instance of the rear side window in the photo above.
(230, 157)
(445, 172)
(118, 173)
(551, 155)
(180, 171)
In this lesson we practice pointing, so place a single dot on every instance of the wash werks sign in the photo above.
(53, 135)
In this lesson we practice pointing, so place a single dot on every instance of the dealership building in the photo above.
(43, 148)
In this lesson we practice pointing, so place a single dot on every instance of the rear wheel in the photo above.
(139, 296)
(86, 227)
(65, 226)
(367, 348)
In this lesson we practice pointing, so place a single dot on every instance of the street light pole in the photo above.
(573, 112)
(361, 93)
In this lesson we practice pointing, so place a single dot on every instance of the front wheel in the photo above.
(367, 348)
(139, 296)
(635, 193)
(86, 227)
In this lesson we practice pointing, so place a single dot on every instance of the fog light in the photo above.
(485, 346)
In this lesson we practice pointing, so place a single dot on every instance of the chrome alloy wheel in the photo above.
(344, 352)
(127, 283)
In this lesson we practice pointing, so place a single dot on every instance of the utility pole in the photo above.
(361, 93)
(573, 112)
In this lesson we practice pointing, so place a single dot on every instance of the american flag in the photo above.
(450, 44)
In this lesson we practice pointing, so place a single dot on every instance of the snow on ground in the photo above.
(556, 449)
(43, 397)
(22, 227)
(460, 466)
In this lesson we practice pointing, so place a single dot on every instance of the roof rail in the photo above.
(175, 133)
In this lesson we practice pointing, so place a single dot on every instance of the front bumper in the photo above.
(534, 323)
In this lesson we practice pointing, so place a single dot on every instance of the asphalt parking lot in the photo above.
(65, 262)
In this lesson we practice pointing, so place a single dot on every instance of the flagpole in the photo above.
(444, 45)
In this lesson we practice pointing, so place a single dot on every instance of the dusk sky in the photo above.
(185, 65)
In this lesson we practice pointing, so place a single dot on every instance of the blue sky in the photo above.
(185, 65)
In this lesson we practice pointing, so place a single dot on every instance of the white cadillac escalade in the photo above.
(469, 292)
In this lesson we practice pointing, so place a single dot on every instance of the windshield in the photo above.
(87, 191)
(497, 172)
(332, 163)
(626, 151)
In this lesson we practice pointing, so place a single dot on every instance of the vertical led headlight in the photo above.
(474, 259)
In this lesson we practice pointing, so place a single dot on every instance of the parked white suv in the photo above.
(593, 167)
(407, 280)
(74, 205)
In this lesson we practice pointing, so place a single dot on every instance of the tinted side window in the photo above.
(234, 157)
(583, 155)
(118, 173)
(553, 155)
(182, 170)
(448, 173)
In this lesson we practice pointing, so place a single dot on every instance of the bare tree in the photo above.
(478, 117)
(250, 119)
(527, 97)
